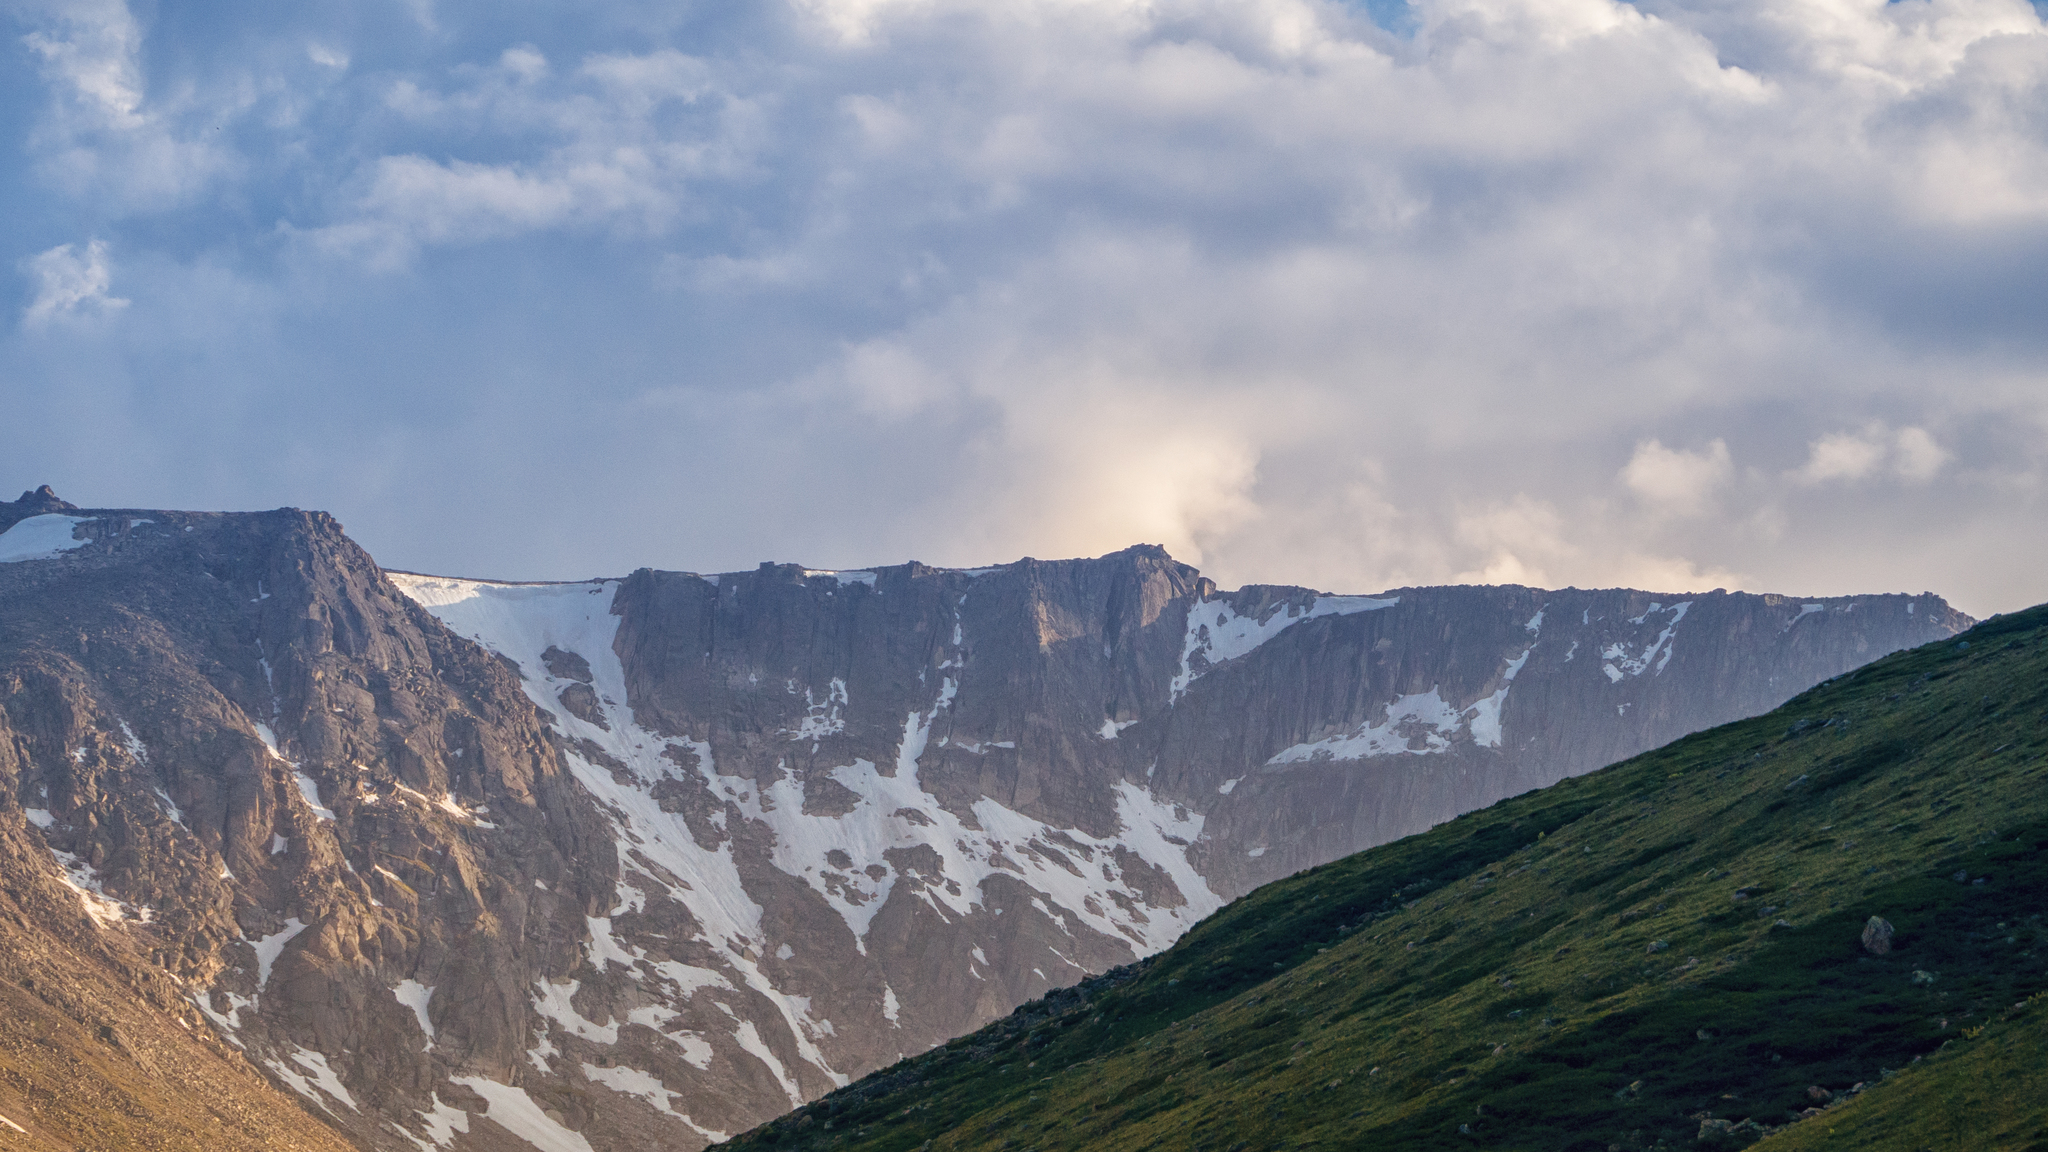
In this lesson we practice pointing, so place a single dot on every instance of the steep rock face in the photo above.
(1355, 728)
(645, 861)
(296, 794)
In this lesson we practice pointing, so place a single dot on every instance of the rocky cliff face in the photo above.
(646, 861)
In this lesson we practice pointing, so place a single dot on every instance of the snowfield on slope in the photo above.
(42, 537)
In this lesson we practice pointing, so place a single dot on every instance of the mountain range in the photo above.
(299, 852)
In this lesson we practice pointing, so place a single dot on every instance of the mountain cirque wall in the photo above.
(1295, 727)
(655, 858)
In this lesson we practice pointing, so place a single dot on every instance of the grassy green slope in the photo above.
(1663, 950)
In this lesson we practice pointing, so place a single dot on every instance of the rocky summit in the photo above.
(300, 853)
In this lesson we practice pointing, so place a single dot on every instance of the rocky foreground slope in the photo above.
(1821, 928)
(644, 862)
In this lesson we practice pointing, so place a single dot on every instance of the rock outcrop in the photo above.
(646, 861)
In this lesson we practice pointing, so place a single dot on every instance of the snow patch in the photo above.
(1622, 661)
(441, 1124)
(81, 878)
(42, 537)
(231, 1021)
(415, 995)
(1110, 728)
(697, 1051)
(1421, 723)
(554, 1002)
(311, 792)
(977, 748)
(605, 948)
(647, 1086)
(1216, 633)
(40, 817)
(686, 979)
(170, 807)
(844, 578)
(269, 739)
(1224, 789)
(269, 948)
(317, 1078)
(821, 717)
(513, 1110)
(749, 1039)
(449, 804)
(136, 750)
(632, 1082)
(543, 1049)
(1484, 721)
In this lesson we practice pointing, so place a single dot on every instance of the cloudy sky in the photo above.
(1679, 294)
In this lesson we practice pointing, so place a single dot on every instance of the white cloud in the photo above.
(69, 283)
(1915, 455)
(1525, 540)
(608, 167)
(101, 138)
(90, 49)
(1842, 456)
(1522, 539)
(1674, 479)
(1910, 454)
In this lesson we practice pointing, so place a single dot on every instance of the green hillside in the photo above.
(1665, 953)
